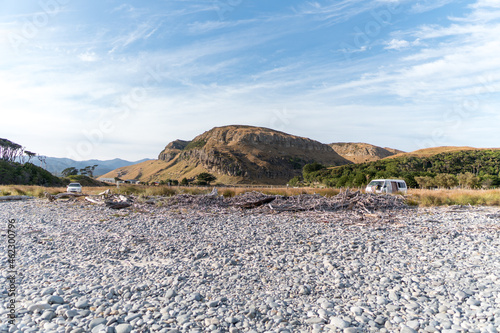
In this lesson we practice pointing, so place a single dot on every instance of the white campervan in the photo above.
(387, 186)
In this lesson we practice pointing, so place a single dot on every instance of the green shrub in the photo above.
(195, 144)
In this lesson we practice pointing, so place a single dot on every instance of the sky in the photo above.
(112, 79)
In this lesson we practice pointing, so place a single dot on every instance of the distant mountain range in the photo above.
(56, 165)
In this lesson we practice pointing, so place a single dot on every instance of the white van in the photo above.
(387, 186)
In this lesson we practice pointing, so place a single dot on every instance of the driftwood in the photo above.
(118, 202)
(95, 201)
(63, 195)
(15, 197)
(118, 205)
(255, 204)
(110, 200)
(100, 198)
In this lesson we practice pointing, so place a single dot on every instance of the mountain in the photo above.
(56, 165)
(235, 154)
(362, 152)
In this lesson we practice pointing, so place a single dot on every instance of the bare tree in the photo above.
(10, 151)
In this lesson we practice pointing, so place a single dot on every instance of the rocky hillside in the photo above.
(235, 154)
(362, 152)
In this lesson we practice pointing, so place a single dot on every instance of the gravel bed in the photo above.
(86, 268)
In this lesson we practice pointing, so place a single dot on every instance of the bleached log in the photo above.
(15, 197)
(99, 202)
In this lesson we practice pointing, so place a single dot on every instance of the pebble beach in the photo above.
(82, 267)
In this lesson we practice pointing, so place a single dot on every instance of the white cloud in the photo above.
(397, 44)
(88, 57)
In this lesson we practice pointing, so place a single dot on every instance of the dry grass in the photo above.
(424, 198)
(429, 198)
(38, 191)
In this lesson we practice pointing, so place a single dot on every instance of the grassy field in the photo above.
(415, 197)
(428, 198)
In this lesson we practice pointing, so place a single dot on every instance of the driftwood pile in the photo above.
(255, 201)
(112, 201)
(346, 200)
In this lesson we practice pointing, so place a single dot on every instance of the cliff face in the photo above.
(255, 154)
(172, 150)
(362, 152)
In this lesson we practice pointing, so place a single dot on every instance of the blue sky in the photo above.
(106, 79)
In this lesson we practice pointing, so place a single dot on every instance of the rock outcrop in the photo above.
(172, 150)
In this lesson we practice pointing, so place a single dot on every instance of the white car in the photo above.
(74, 187)
(387, 186)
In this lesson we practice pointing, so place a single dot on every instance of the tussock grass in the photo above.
(28, 190)
(428, 198)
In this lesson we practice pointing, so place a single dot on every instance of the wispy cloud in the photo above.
(337, 12)
(178, 61)
(428, 5)
(210, 26)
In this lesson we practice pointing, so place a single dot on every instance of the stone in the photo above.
(339, 322)
(170, 293)
(39, 307)
(406, 329)
(123, 328)
(54, 299)
(96, 322)
(82, 304)
(48, 291)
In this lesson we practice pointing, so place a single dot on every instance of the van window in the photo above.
(401, 185)
(376, 183)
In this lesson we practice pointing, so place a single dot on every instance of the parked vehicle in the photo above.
(387, 186)
(74, 187)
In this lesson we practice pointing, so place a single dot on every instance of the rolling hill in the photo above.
(427, 152)
(362, 152)
(235, 155)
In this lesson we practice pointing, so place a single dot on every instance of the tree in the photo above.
(425, 181)
(445, 180)
(468, 180)
(184, 181)
(205, 178)
(315, 166)
(71, 171)
(308, 169)
(88, 170)
(295, 181)
(359, 179)
(10, 151)
(30, 155)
